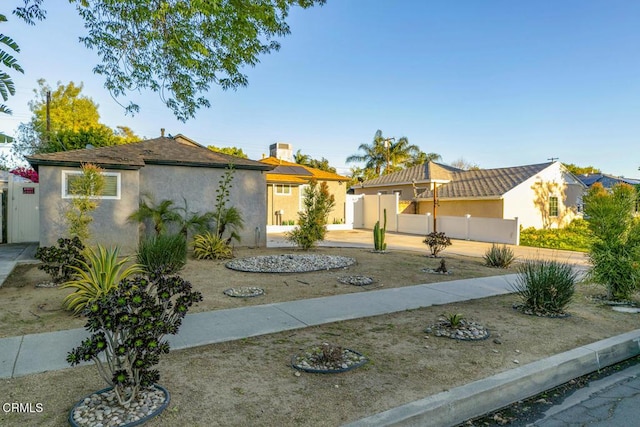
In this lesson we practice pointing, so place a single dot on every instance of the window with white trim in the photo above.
(111, 190)
(553, 206)
(282, 189)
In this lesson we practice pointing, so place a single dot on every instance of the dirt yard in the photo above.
(250, 382)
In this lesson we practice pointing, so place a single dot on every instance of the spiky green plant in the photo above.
(211, 246)
(96, 276)
(379, 235)
(454, 319)
(499, 256)
(545, 287)
(163, 254)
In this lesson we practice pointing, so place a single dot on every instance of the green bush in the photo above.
(211, 246)
(163, 254)
(58, 261)
(576, 236)
(96, 277)
(545, 287)
(499, 256)
(615, 252)
(437, 242)
(312, 221)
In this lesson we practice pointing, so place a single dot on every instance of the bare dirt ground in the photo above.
(250, 382)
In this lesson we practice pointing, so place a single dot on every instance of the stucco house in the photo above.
(543, 195)
(165, 168)
(286, 184)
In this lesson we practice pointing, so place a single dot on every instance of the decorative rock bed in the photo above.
(357, 280)
(328, 359)
(289, 263)
(244, 292)
(435, 271)
(101, 409)
(465, 331)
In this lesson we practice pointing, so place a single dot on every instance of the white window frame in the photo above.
(65, 185)
(277, 192)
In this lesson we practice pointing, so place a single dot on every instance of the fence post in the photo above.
(428, 222)
(468, 226)
(517, 231)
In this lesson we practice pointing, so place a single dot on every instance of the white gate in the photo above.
(23, 215)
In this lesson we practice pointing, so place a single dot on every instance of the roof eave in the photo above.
(220, 165)
(77, 164)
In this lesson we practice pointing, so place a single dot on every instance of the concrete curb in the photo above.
(472, 400)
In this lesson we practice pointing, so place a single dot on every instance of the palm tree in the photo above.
(399, 153)
(374, 155)
(421, 158)
(161, 214)
(301, 159)
(6, 84)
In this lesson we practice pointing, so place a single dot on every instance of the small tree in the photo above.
(437, 242)
(84, 188)
(615, 251)
(312, 221)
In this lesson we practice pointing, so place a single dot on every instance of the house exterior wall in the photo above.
(292, 203)
(109, 227)
(529, 201)
(476, 208)
(405, 190)
(198, 186)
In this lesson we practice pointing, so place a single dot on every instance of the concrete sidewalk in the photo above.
(30, 354)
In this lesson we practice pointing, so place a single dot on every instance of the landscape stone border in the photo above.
(244, 292)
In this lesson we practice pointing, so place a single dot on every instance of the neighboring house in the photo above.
(607, 181)
(541, 196)
(165, 168)
(286, 184)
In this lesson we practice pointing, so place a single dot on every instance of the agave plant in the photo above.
(211, 246)
(96, 276)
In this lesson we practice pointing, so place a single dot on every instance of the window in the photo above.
(111, 185)
(553, 206)
(283, 189)
(398, 192)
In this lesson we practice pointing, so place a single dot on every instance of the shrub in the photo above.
(83, 187)
(615, 252)
(96, 277)
(211, 246)
(545, 287)
(163, 254)
(499, 256)
(576, 236)
(454, 319)
(437, 242)
(128, 327)
(58, 261)
(312, 220)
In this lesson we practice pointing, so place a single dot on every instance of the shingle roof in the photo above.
(297, 170)
(462, 183)
(607, 181)
(163, 150)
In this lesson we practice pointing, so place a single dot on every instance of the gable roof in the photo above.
(459, 183)
(158, 151)
(285, 171)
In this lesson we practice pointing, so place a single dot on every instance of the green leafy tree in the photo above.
(74, 122)
(615, 251)
(178, 49)
(232, 151)
(306, 160)
(7, 88)
(301, 159)
(312, 220)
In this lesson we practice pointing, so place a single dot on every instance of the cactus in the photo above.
(379, 233)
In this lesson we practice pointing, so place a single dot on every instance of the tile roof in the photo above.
(462, 183)
(607, 181)
(301, 171)
(161, 151)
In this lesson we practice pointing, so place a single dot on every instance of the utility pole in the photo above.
(48, 115)
(435, 205)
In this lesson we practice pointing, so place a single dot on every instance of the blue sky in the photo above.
(499, 83)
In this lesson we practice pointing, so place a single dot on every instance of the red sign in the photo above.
(28, 190)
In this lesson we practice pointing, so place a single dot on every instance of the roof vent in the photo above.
(161, 132)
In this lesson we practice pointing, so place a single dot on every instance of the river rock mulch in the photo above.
(466, 330)
(290, 263)
(103, 409)
(327, 359)
(524, 309)
(357, 280)
(244, 292)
